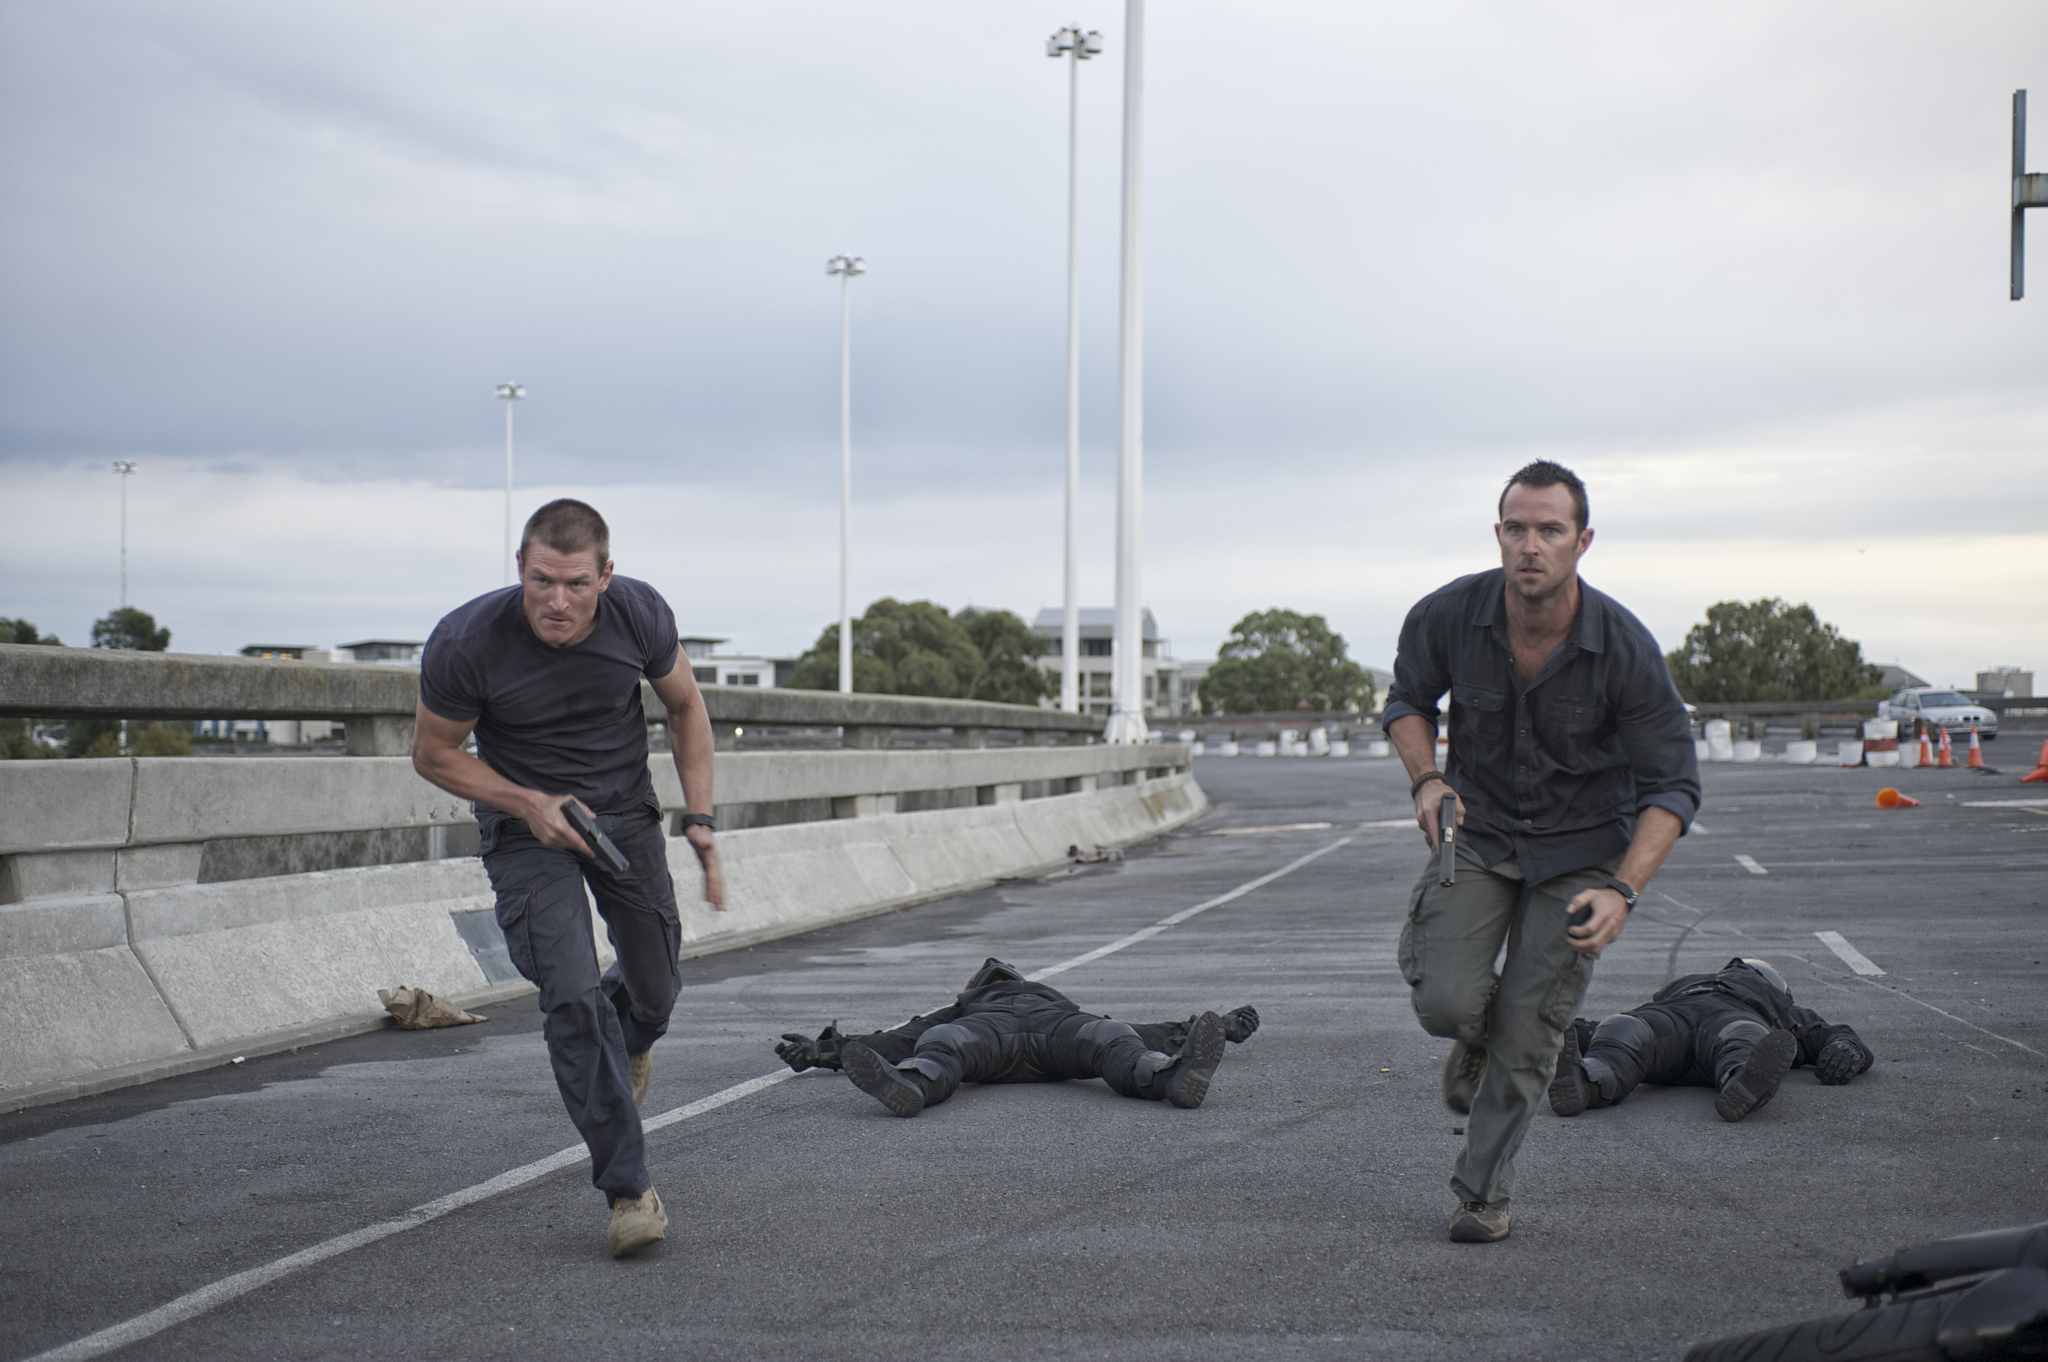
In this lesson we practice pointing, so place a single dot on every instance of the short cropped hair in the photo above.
(1544, 473)
(568, 526)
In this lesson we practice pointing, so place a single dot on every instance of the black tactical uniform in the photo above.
(1737, 1031)
(1006, 1029)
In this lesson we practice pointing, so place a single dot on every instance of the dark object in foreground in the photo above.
(1974, 1296)
(606, 849)
(1007, 1029)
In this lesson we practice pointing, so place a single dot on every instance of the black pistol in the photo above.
(1447, 837)
(607, 850)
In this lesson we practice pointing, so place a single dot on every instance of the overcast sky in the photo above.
(1741, 265)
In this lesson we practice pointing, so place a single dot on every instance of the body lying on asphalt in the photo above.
(1005, 1028)
(1737, 1031)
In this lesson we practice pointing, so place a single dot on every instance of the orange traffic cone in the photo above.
(2040, 772)
(1976, 761)
(1888, 798)
(1926, 750)
(1948, 755)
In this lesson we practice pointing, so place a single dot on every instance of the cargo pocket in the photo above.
(515, 920)
(1408, 956)
(1561, 1004)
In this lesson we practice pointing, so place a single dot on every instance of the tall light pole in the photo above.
(509, 393)
(846, 267)
(1127, 672)
(124, 467)
(1077, 46)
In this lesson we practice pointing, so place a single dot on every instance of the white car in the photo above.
(1939, 708)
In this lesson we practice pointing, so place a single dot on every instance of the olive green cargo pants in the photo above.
(1518, 1016)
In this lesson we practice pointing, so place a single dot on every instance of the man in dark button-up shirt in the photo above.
(1571, 761)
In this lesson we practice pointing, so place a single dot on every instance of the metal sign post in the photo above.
(2028, 191)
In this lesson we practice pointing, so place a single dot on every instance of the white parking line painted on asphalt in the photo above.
(215, 1294)
(2004, 803)
(1850, 956)
(1749, 863)
(1270, 827)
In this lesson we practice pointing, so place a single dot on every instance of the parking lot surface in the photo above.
(1299, 1213)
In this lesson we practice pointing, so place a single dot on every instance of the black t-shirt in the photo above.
(562, 720)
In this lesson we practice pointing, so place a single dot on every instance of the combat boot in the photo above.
(1462, 1071)
(1196, 1063)
(637, 1221)
(881, 1080)
(1572, 1090)
(1475, 1222)
(1752, 1085)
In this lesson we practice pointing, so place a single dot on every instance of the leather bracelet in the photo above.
(1424, 779)
(695, 820)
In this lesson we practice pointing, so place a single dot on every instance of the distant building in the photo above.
(1897, 678)
(276, 732)
(711, 668)
(295, 652)
(2005, 681)
(1098, 637)
(390, 651)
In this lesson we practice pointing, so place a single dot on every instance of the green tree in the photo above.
(21, 631)
(1277, 660)
(131, 629)
(1768, 650)
(899, 648)
(1009, 672)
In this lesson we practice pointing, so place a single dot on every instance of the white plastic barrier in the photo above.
(1340, 748)
(1802, 752)
(1701, 751)
(1197, 750)
(1720, 743)
(1379, 747)
(1229, 749)
(1748, 750)
(1880, 742)
(1319, 742)
(1850, 753)
(1269, 749)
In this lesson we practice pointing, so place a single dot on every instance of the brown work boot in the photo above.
(641, 1068)
(1475, 1222)
(1461, 1076)
(637, 1221)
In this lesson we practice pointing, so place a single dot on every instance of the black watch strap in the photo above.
(695, 820)
(1623, 888)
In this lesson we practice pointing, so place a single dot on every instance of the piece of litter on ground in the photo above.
(1457, 1130)
(419, 1010)
(238, 1059)
(1386, 1071)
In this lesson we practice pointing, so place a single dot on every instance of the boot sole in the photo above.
(1197, 1061)
(1757, 1080)
(1571, 1091)
(874, 1076)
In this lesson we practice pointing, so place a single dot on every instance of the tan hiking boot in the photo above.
(1462, 1071)
(1475, 1222)
(640, 1068)
(636, 1222)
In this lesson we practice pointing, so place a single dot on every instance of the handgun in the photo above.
(1447, 837)
(607, 850)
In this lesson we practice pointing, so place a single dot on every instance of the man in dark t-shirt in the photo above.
(547, 676)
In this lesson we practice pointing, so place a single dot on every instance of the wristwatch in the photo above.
(1622, 888)
(705, 820)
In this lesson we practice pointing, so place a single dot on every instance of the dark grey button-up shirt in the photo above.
(1554, 775)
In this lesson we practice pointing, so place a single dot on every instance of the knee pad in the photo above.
(948, 1036)
(1742, 1028)
(1102, 1031)
(1627, 1030)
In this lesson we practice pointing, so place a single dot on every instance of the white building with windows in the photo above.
(713, 668)
(1098, 639)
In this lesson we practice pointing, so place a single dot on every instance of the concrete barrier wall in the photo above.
(117, 965)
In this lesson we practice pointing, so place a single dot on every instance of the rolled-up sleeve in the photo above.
(1657, 736)
(1422, 670)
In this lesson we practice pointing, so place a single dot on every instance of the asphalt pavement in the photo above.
(1299, 1213)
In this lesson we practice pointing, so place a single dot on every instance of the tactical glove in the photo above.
(801, 1052)
(1840, 1060)
(1239, 1023)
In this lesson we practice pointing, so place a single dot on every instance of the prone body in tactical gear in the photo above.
(1004, 1028)
(1700, 1030)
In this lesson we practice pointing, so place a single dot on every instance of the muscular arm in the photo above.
(438, 756)
(689, 743)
